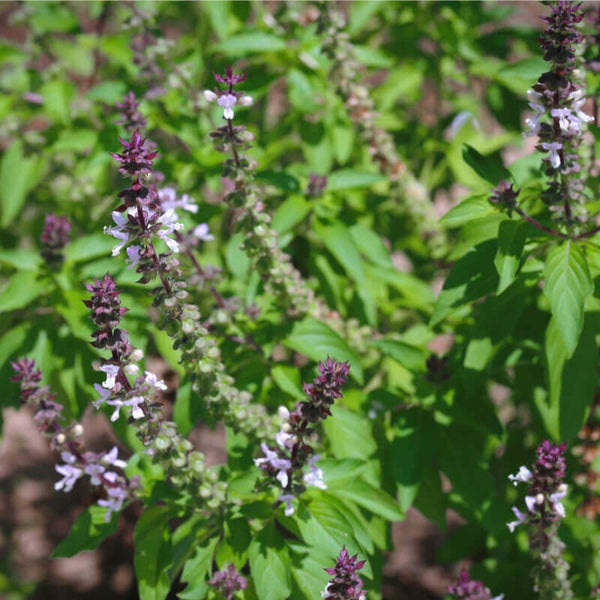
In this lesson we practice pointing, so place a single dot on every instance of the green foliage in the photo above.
(402, 133)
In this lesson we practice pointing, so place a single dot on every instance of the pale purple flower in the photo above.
(95, 471)
(524, 475)
(136, 403)
(274, 461)
(314, 476)
(118, 231)
(168, 200)
(553, 148)
(520, 519)
(227, 101)
(531, 502)
(116, 496)
(112, 458)
(111, 376)
(289, 509)
(169, 223)
(104, 395)
(133, 256)
(154, 381)
(201, 232)
(33, 97)
(117, 403)
(282, 438)
(70, 476)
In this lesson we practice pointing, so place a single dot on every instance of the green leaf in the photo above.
(196, 570)
(22, 288)
(370, 244)
(318, 341)
(511, 241)
(18, 175)
(290, 213)
(288, 380)
(282, 180)
(567, 284)
(270, 564)
(89, 529)
(89, 246)
(348, 434)
(411, 357)
(572, 381)
(372, 498)
(488, 167)
(472, 277)
(153, 554)
(346, 179)
(300, 91)
(338, 241)
(21, 259)
(249, 43)
(520, 75)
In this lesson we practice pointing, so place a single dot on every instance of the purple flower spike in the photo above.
(325, 389)
(471, 589)
(130, 117)
(228, 581)
(55, 236)
(345, 584)
(136, 159)
(230, 77)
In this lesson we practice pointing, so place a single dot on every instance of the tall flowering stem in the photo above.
(104, 469)
(543, 515)
(282, 279)
(142, 219)
(471, 589)
(286, 463)
(557, 99)
(185, 468)
(344, 74)
(345, 584)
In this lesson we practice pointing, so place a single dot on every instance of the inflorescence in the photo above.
(471, 589)
(543, 515)
(293, 451)
(345, 584)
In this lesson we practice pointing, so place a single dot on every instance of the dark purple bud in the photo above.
(316, 184)
(470, 589)
(228, 581)
(55, 236)
(136, 158)
(437, 369)
(230, 77)
(345, 584)
(130, 117)
(504, 195)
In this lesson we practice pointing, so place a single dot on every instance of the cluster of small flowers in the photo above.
(286, 463)
(557, 99)
(345, 75)
(54, 237)
(228, 581)
(185, 468)
(282, 280)
(116, 390)
(544, 512)
(471, 589)
(67, 440)
(141, 217)
(345, 584)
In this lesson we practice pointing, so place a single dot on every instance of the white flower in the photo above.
(210, 96)
(523, 475)
(289, 509)
(117, 403)
(136, 403)
(553, 148)
(557, 506)
(520, 519)
(111, 376)
(315, 475)
(154, 381)
(531, 502)
(227, 101)
(246, 101)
